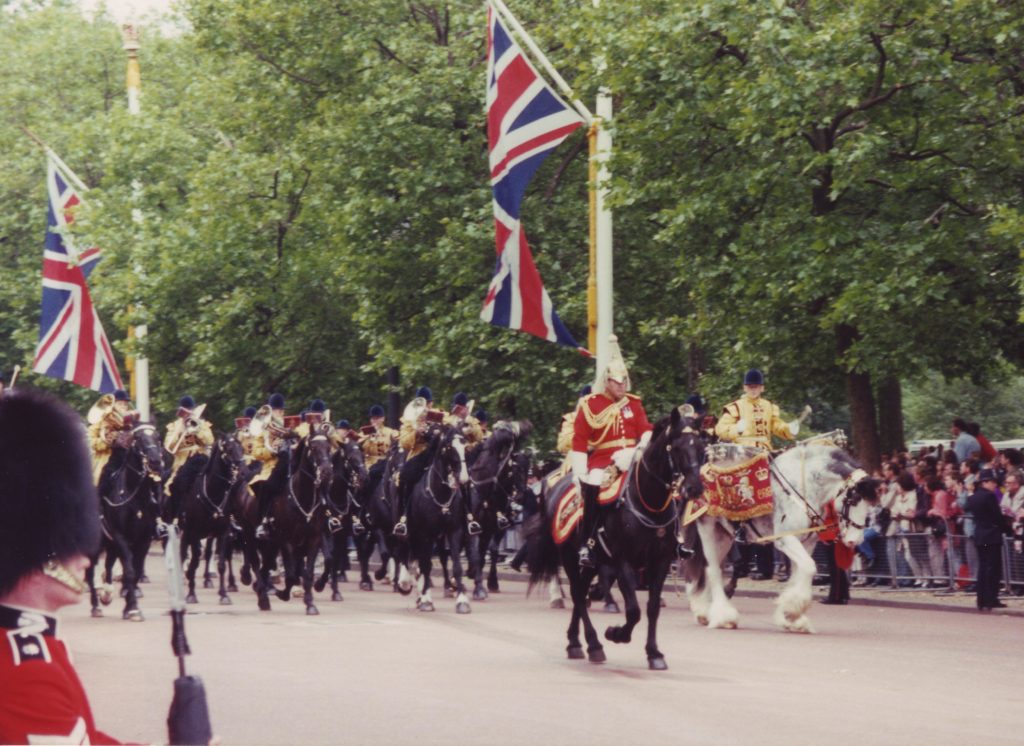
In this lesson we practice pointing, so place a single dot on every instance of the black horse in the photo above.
(130, 488)
(297, 516)
(206, 509)
(639, 535)
(437, 511)
(377, 507)
(498, 474)
(349, 477)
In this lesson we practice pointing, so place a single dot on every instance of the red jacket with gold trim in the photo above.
(604, 426)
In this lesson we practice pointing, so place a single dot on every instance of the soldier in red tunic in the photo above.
(610, 425)
(49, 525)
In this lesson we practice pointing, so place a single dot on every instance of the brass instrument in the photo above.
(260, 423)
(103, 405)
(192, 425)
(415, 410)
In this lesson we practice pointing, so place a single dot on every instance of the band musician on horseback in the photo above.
(268, 448)
(413, 438)
(188, 435)
(109, 426)
(752, 420)
(610, 425)
(376, 441)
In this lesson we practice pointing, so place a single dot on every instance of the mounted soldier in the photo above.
(376, 440)
(412, 440)
(242, 432)
(187, 436)
(343, 432)
(752, 420)
(484, 419)
(270, 445)
(108, 422)
(610, 426)
(472, 432)
(312, 415)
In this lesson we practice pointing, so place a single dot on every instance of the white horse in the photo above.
(804, 479)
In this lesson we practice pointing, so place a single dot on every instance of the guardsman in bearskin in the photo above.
(188, 435)
(49, 527)
(752, 420)
(271, 446)
(412, 440)
(610, 425)
(108, 422)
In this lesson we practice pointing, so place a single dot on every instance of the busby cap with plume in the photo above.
(49, 509)
(615, 369)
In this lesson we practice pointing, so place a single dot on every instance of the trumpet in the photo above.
(260, 422)
(191, 427)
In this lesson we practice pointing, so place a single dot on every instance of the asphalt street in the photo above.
(372, 669)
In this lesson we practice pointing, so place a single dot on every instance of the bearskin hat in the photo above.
(376, 411)
(317, 405)
(48, 503)
(425, 393)
(276, 401)
(187, 402)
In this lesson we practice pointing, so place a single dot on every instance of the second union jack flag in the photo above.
(526, 120)
(72, 345)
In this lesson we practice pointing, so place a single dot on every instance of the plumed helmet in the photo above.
(698, 402)
(187, 402)
(276, 401)
(425, 393)
(48, 504)
(121, 395)
(343, 425)
(249, 412)
(460, 400)
(481, 415)
(586, 391)
(376, 411)
(317, 405)
(753, 377)
(615, 370)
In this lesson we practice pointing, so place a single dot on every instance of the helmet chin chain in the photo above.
(54, 569)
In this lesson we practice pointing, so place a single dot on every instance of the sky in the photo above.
(125, 11)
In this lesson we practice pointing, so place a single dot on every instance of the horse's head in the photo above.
(149, 451)
(452, 454)
(685, 448)
(349, 465)
(316, 454)
(230, 455)
(853, 493)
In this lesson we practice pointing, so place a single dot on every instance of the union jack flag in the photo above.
(72, 345)
(526, 120)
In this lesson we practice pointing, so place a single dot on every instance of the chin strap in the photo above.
(54, 569)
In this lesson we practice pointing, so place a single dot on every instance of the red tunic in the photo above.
(604, 426)
(41, 698)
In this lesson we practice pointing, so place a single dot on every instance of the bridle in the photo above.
(316, 475)
(443, 449)
(232, 467)
(851, 499)
(674, 486)
(146, 473)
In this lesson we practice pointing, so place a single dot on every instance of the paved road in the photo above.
(371, 669)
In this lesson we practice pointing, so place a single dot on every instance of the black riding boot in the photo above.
(263, 505)
(589, 523)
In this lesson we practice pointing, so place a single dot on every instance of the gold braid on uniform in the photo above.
(607, 415)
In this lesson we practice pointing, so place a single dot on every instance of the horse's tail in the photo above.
(541, 551)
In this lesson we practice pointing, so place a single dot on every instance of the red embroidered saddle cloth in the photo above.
(570, 508)
(738, 492)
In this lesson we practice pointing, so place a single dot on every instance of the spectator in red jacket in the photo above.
(988, 451)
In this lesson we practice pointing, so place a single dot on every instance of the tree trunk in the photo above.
(861, 399)
(890, 415)
(695, 367)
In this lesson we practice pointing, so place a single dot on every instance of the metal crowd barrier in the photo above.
(912, 561)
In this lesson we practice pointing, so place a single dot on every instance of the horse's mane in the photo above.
(841, 462)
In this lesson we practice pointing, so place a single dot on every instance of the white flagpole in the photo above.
(603, 217)
(540, 57)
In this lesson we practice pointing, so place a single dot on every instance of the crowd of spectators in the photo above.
(925, 507)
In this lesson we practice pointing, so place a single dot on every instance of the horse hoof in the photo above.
(311, 610)
(232, 588)
(479, 594)
(319, 585)
(380, 573)
(245, 576)
(191, 599)
(336, 596)
(462, 608)
(611, 608)
(138, 593)
(97, 612)
(596, 655)
(365, 585)
(657, 664)
(225, 600)
(404, 588)
(106, 597)
(616, 635)
(492, 586)
(263, 603)
(207, 583)
(575, 652)
(134, 616)
(557, 603)
(283, 595)
(425, 606)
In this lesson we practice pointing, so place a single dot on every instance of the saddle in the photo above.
(569, 510)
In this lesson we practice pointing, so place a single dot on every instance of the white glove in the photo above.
(578, 463)
(794, 428)
(741, 427)
(644, 440)
(622, 458)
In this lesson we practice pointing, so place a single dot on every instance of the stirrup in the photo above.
(473, 528)
(334, 524)
(585, 558)
(503, 522)
(358, 529)
(263, 530)
(684, 552)
(401, 528)
(161, 529)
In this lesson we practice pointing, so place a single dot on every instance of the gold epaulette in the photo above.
(607, 415)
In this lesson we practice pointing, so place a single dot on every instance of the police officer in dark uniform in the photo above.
(49, 526)
(983, 506)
